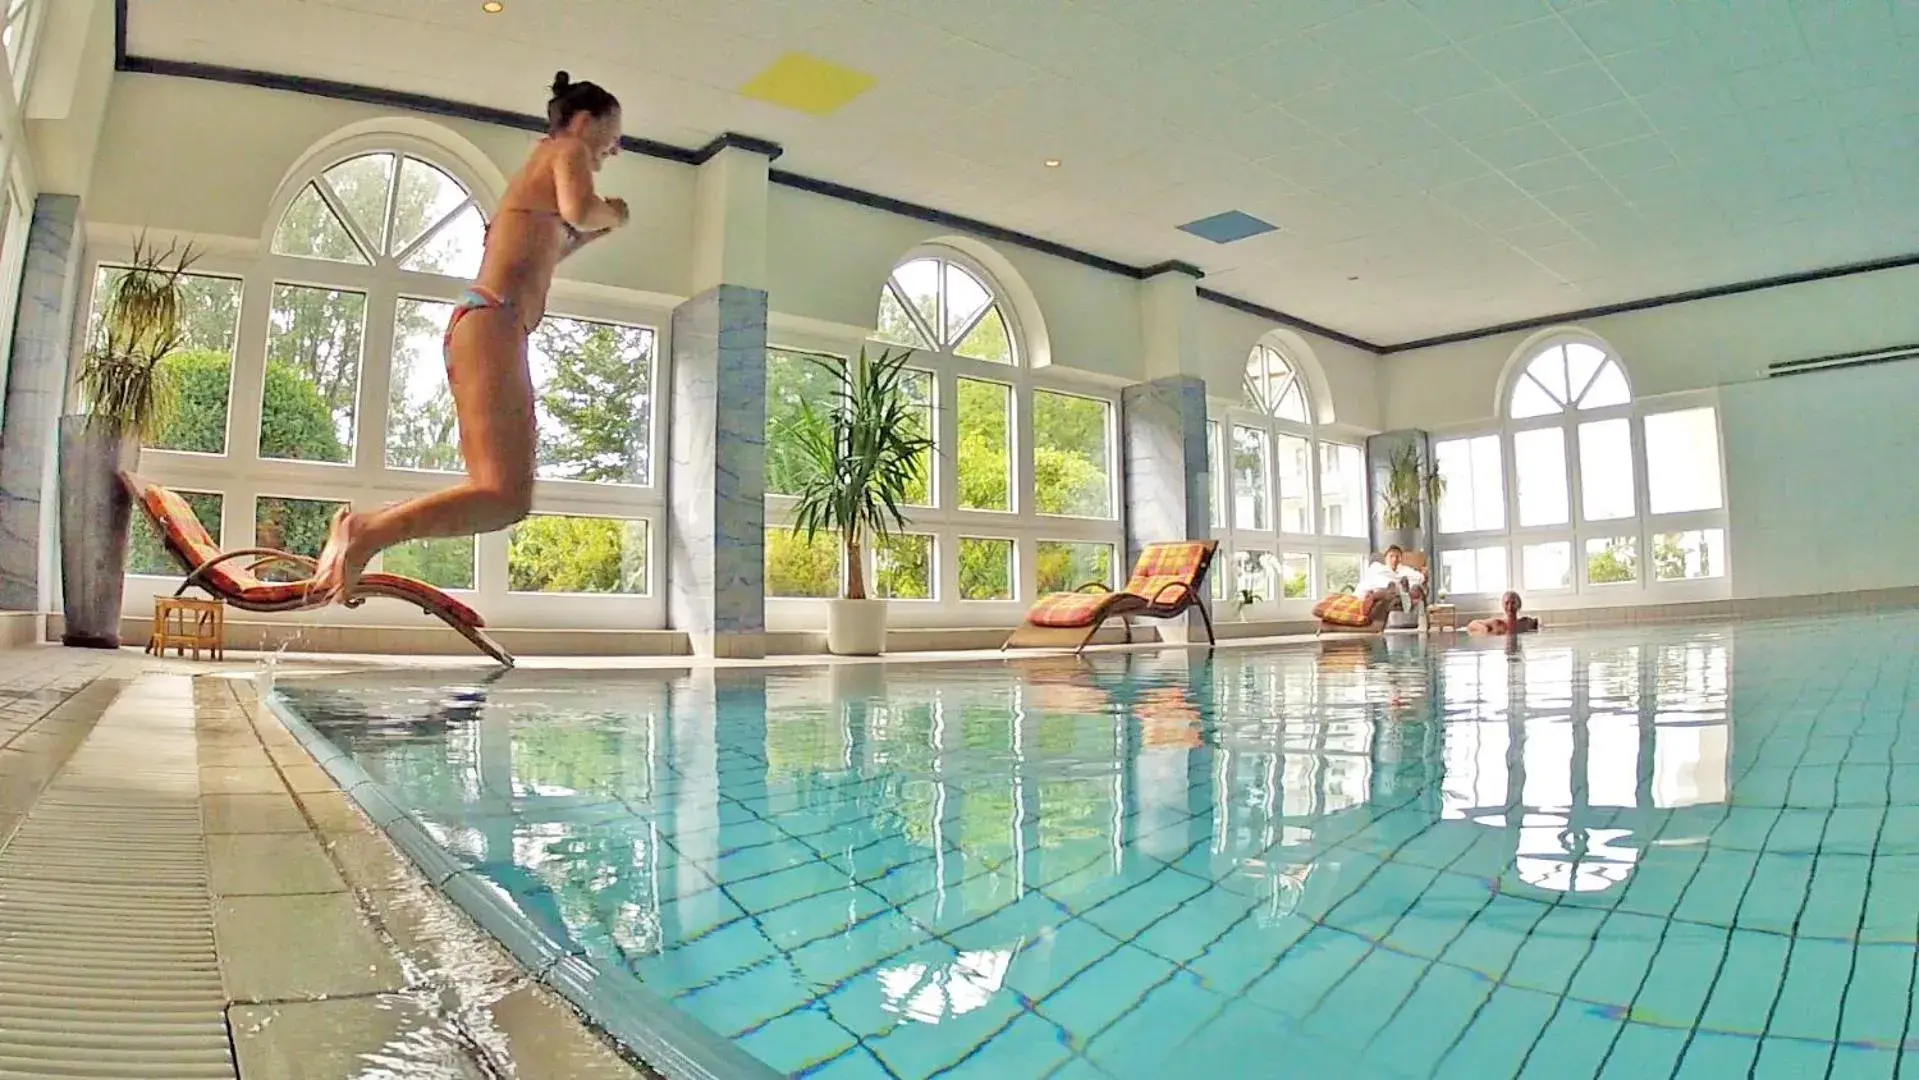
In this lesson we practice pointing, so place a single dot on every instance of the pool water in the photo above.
(1663, 851)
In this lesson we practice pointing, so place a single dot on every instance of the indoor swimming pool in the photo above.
(1657, 851)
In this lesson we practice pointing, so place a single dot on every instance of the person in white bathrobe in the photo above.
(1390, 575)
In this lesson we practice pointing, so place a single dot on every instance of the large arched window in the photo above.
(1021, 495)
(1562, 500)
(1289, 505)
(314, 374)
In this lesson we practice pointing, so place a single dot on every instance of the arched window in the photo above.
(389, 210)
(1290, 505)
(1563, 501)
(315, 374)
(1021, 494)
(1272, 386)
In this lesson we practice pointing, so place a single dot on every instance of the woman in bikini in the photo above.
(549, 211)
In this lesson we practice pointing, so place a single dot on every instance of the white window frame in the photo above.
(242, 476)
(945, 521)
(1224, 415)
(1642, 525)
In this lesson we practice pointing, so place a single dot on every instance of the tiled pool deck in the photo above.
(269, 930)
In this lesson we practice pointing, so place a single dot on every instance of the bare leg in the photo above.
(493, 395)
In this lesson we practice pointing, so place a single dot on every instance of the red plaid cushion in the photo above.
(1344, 609)
(1068, 610)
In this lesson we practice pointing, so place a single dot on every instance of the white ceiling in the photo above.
(1433, 165)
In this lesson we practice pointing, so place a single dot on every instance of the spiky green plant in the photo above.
(123, 377)
(865, 450)
(1409, 484)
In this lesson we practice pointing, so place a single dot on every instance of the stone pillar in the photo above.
(1380, 451)
(716, 473)
(716, 466)
(1163, 433)
(36, 382)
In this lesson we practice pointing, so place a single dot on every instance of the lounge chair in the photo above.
(219, 573)
(1168, 581)
(1369, 613)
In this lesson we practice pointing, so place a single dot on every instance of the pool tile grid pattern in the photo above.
(1688, 970)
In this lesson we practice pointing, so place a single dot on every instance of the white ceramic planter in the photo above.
(856, 627)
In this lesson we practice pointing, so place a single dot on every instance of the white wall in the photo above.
(1819, 466)
(205, 158)
(1691, 346)
(1815, 496)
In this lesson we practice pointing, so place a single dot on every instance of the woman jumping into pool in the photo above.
(549, 211)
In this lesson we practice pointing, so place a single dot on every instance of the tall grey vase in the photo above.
(94, 512)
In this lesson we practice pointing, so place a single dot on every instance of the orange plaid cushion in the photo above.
(1344, 609)
(1067, 610)
(1161, 565)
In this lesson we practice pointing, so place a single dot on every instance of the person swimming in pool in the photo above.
(1511, 622)
(550, 210)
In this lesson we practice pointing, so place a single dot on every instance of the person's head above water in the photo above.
(1510, 604)
(1392, 556)
(587, 112)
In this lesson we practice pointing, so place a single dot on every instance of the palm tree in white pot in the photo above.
(126, 395)
(866, 450)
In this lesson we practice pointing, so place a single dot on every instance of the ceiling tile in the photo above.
(1681, 108)
(1343, 107)
(1607, 124)
(1464, 19)
(1654, 67)
(1643, 154)
(1559, 172)
(1283, 71)
(1760, 88)
(1479, 114)
(1529, 49)
(1617, 26)
(1377, 35)
(1519, 146)
(1432, 77)
(1568, 90)
(1595, 197)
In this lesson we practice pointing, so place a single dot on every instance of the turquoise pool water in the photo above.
(1673, 851)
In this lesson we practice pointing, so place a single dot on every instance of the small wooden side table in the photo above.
(188, 622)
(1442, 613)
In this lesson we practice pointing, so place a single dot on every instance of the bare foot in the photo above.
(342, 560)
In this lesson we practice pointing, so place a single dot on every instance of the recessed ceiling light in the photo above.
(493, 7)
(1052, 163)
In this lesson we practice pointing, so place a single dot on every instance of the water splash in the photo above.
(263, 678)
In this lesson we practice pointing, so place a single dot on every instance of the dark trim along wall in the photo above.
(433, 106)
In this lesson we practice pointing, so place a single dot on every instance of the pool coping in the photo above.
(612, 998)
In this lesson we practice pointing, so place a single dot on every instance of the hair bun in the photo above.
(561, 80)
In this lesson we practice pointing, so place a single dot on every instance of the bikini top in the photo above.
(573, 235)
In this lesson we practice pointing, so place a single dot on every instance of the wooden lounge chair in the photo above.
(1168, 580)
(220, 573)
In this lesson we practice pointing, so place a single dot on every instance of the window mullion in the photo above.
(373, 253)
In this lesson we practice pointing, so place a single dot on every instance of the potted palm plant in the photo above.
(125, 396)
(1410, 487)
(865, 451)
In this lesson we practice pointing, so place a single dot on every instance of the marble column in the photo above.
(716, 473)
(36, 382)
(1380, 450)
(1163, 432)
